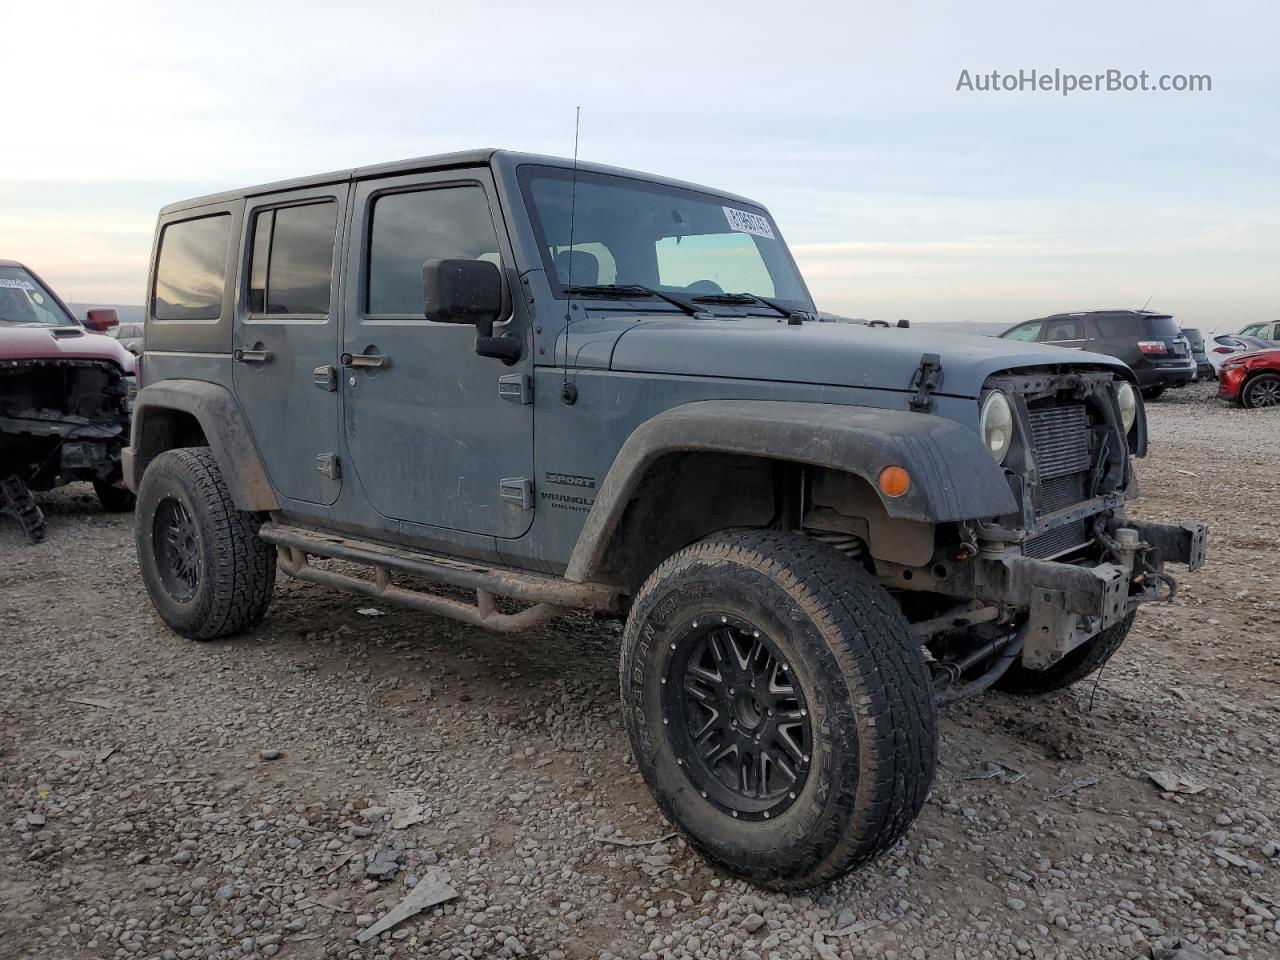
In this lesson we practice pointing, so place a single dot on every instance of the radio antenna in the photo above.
(568, 392)
(1147, 304)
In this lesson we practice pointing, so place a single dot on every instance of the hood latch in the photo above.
(926, 379)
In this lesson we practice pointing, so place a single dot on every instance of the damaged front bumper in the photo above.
(1068, 603)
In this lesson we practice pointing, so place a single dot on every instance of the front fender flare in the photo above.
(953, 476)
(214, 407)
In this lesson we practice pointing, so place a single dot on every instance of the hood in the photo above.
(839, 354)
(69, 342)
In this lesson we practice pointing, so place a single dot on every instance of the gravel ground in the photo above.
(161, 798)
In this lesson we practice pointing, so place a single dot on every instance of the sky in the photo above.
(900, 195)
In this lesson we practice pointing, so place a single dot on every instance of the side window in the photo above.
(1109, 328)
(1252, 330)
(408, 229)
(291, 265)
(191, 269)
(1063, 330)
(1028, 331)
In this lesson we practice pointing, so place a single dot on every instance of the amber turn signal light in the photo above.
(894, 481)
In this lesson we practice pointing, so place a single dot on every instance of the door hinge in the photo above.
(518, 490)
(326, 378)
(927, 378)
(329, 465)
(516, 387)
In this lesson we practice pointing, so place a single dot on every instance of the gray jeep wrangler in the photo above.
(578, 388)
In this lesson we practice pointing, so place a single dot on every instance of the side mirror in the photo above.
(468, 291)
(101, 319)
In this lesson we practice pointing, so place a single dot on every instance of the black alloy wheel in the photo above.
(742, 729)
(176, 543)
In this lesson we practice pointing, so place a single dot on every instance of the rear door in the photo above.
(1117, 335)
(286, 338)
(437, 435)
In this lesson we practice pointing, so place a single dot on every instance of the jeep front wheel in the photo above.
(1072, 668)
(208, 573)
(778, 707)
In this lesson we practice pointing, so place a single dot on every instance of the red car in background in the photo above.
(1251, 379)
(66, 396)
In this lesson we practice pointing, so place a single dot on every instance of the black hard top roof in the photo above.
(442, 161)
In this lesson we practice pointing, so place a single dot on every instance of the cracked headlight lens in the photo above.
(1128, 400)
(996, 424)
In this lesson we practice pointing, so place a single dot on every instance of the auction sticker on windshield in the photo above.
(746, 222)
(17, 284)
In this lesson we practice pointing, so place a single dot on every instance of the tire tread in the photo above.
(894, 699)
(244, 568)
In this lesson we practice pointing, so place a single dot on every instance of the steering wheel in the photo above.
(704, 286)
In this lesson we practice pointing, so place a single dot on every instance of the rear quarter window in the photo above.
(1109, 327)
(191, 269)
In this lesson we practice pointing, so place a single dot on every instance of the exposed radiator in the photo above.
(1060, 433)
(1057, 541)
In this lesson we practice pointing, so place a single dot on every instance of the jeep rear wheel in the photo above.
(778, 707)
(1072, 668)
(206, 570)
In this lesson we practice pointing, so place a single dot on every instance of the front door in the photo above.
(436, 434)
(286, 338)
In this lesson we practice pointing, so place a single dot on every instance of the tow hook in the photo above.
(1128, 543)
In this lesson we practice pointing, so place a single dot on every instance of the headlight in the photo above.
(1128, 405)
(996, 424)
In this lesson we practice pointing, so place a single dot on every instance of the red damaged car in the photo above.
(66, 395)
(1251, 379)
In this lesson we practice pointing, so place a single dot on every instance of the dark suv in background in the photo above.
(1150, 343)
(1195, 340)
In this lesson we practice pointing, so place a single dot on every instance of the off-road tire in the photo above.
(874, 720)
(1152, 393)
(114, 496)
(236, 570)
(1075, 666)
(1259, 390)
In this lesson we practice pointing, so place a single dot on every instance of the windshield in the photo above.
(629, 232)
(26, 301)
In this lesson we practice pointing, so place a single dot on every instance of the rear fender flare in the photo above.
(214, 407)
(953, 476)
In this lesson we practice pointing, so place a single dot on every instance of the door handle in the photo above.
(251, 356)
(374, 360)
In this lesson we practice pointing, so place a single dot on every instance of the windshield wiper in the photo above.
(742, 299)
(624, 291)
